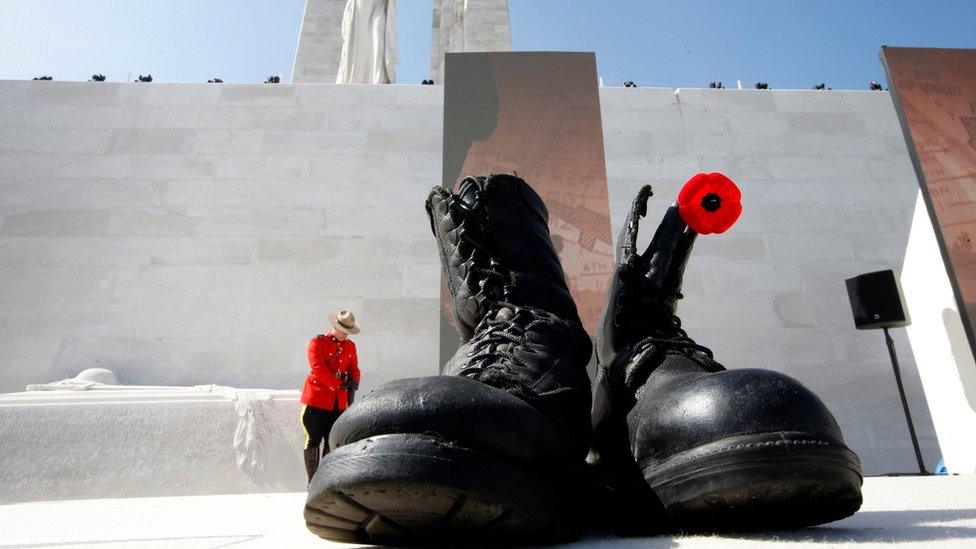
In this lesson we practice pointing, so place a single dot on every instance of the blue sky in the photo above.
(787, 43)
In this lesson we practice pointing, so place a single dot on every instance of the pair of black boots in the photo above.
(507, 445)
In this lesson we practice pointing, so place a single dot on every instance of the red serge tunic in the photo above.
(329, 358)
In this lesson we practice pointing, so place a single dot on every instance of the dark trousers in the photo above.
(317, 424)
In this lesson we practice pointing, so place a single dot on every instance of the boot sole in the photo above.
(410, 489)
(759, 482)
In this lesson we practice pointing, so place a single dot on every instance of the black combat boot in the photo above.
(684, 443)
(494, 448)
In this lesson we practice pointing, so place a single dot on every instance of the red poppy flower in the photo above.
(709, 203)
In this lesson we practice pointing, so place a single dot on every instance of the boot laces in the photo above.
(494, 280)
(647, 312)
(492, 358)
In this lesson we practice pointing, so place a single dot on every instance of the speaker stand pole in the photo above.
(904, 401)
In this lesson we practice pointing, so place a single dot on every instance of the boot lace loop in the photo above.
(492, 358)
(493, 280)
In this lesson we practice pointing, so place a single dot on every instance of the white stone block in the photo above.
(422, 281)
(811, 245)
(629, 143)
(198, 250)
(151, 222)
(826, 278)
(56, 223)
(727, 100)
(213, 318)
(50, 318)
(882, 124)
(416, 317)
(383, 141)
(429, 98)
(724, 277)
(90, 166)
(823, 170)
(777, 145)
(370, 118)
(189, 284)
(663, 120)
(871, 102)
(264, 119)
(266, 166)
(720, 312)
(623, 99)
(854, 145)
(27, 359)
(694, 121)
(376, 221)
(16, 166)
(23, 251)
(29, 140)
(123, 193)
(710, 144)
(269, 95)
(174, 166)
(153, 141)
(314, 281)
(313, 142)
(892, 168)
(824, 122)
(229, 141)
(812, 101)
(744, 122)
(17, 195)
(257, 222)
(333, 96)
(739, 168)
(97, 251)
(167, 94)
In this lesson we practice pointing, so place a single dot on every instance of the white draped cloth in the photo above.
(368, 43)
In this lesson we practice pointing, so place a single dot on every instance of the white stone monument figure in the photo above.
(368, 43)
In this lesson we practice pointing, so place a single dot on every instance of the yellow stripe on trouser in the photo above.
(308, 437)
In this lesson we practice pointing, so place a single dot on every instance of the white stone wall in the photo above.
(192, 234)
(185, 234)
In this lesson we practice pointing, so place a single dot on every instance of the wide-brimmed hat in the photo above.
(344, 321)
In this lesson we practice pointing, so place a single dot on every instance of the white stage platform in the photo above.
(907, 511)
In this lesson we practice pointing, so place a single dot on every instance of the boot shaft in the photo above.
(645, 288)
(495, 247)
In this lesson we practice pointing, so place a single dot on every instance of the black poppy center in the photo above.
(711, 202)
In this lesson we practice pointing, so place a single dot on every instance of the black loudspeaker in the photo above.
(876, 301)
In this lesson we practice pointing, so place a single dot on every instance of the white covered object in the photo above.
(368, 43)
(69, 441)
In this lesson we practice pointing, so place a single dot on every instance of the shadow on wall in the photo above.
(961, 354)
